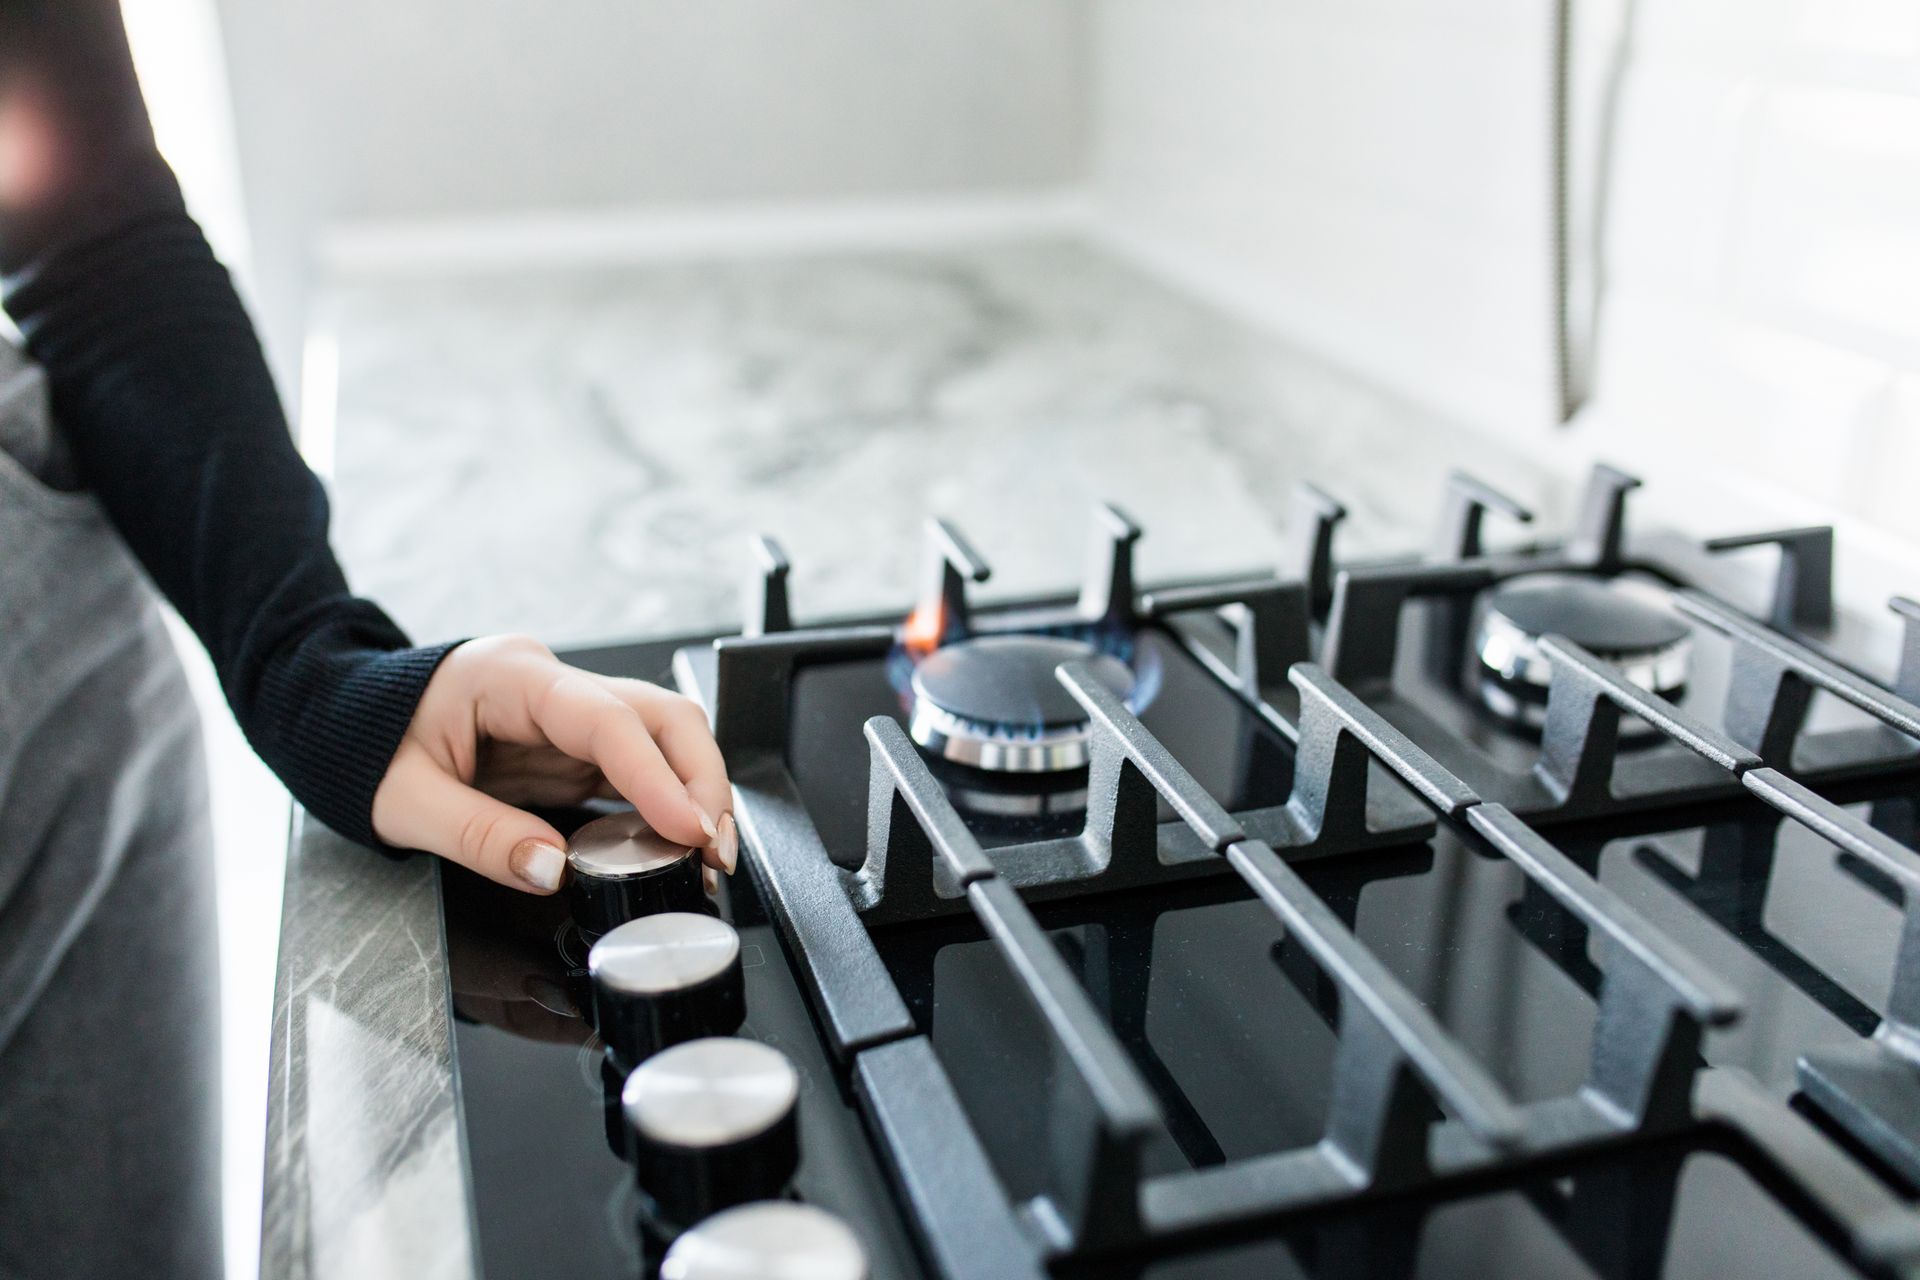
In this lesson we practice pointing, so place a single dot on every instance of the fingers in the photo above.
(653, 746)
(679, 728)
(421, 806)
(537, 775)
(581, 716)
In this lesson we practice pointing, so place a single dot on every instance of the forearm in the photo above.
(161, 392)
(159, 386)
(164, 399)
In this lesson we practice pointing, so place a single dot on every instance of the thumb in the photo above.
(420, 806)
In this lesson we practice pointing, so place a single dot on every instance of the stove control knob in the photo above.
(767, 1238)
(665, 979)
(621, 869)
(714, 1124)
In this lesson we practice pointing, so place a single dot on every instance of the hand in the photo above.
(504, 723)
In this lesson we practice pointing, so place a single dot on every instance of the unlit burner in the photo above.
(1625, 622)
(994, 703)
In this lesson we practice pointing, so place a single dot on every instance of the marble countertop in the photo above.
(582, 455)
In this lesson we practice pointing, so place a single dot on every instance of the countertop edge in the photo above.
(362, 1052)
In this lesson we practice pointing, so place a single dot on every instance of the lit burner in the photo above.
(993, 702)
(1624, 622)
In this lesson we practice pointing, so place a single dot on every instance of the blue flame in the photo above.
(1144, 661)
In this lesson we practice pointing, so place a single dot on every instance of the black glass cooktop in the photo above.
(1668, 1210)
(1231, 1028)
(1235, 1035)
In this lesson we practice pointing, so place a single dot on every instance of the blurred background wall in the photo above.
(465, 106)
(355, 110)
(1370, 177)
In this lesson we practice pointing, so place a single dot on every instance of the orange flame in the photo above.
(924, 629)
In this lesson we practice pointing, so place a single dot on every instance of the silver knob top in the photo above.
(767, 1240)
(663, 953)
(619, 845)
(710, 1093)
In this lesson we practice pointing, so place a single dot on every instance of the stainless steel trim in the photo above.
(663, 953)
(711, 1092)
(1513, 653)
(970, 743)
(621, 845)
(767, 1240)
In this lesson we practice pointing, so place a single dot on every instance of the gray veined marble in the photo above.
(365, 1176)
(581, 454)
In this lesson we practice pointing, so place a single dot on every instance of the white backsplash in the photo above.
(1372, 180)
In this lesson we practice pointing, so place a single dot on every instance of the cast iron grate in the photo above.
(1411, 1108)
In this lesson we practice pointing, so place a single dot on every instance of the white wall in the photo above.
(1371, 176)
(515, 104)
(1761, 327)
(366, 109)
(1372, 179)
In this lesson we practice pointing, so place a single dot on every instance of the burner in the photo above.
(1624, 622)
(993, 702)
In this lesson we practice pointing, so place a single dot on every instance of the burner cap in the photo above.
(1625, 622)
(993, 702)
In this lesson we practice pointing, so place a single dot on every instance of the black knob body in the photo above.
(613, 1078)
(621, 869)
(664, 979)
(767, 1238)
(714, 1124)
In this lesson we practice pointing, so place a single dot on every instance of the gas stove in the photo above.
(1530, 912)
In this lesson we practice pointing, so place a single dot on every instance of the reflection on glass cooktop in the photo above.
(1673, 1212)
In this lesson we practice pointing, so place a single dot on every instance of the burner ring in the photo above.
(1623, 622)
(1513, 653)
(995, 748)
(994, 703)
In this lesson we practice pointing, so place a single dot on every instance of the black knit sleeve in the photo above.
(159, 387)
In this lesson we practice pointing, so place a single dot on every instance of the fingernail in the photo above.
(729, 843)
(711, 879)
(538, 863)
(706, 823)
